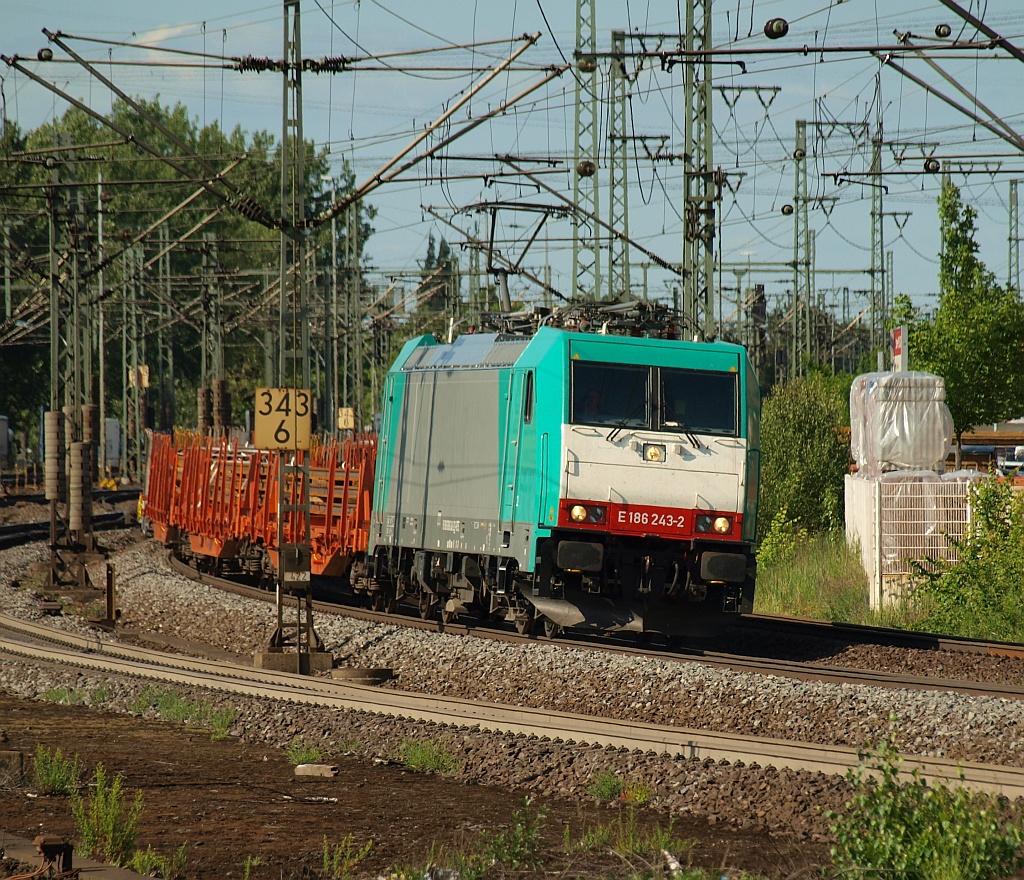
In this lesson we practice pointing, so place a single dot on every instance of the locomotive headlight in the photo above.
(723, 525)
(654, 452)
(703, 523)
(581, 513)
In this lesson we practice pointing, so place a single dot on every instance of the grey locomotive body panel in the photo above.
(443, 492)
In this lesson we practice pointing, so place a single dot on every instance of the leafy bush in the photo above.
(342, 859)
(300, 753)
(913, 831)
(427, 756)
(804, 453)
(982, 595)
(105, 821)
(55, 774)
(782, 539)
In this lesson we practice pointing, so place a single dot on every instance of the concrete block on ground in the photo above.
(316, 770)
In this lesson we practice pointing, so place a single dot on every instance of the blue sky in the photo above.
(367, 116)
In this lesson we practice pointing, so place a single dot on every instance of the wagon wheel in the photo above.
(390, 604)
(551, 629)
(446, 616)
(427, 605)
(378, 601)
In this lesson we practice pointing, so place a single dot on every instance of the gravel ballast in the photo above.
(541, 675)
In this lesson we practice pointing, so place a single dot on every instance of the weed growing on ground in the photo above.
(908, 830)
(427, 756)
(250, 863)
(300, 753)
(105, 821)
(150, 863)
(100, 695)
(606, 785)
(55, 774)
(341, 860)
(518, 846)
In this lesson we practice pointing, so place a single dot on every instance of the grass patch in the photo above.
(300, 753)
(106, 822)
(172, 706)
(605, 786)
(150, 863)
(66, 696)
(54, 773)
(908, 830)
(427, 756)
(818, 576)
(626, 836)
(100, 695)
(609, 786)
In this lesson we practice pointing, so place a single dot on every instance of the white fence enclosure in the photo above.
(901, 517)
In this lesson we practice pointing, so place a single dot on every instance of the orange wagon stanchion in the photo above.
(222, 499)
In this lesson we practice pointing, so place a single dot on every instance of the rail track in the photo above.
(783, 627)
(103, 655)
(42, 644)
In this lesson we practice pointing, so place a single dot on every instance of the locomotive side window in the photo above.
(528, 398)
(702, 402)
(610, 394)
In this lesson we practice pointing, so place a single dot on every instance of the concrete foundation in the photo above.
(304, 664)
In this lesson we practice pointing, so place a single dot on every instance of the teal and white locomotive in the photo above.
(568, 480)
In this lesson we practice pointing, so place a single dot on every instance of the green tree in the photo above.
(976, 340)
(219, 258)
(804, 453)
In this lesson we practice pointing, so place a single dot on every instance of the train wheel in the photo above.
(378, 602)
(551, 629)
(390, 604)
(446, 616)
(525, 624)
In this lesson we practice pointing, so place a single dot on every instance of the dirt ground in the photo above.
(231, 802)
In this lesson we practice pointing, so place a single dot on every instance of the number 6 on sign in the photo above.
(283, 418)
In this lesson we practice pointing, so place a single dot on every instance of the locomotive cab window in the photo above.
(698, 401)
(610, 394)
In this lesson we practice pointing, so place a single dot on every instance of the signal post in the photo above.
(282, 423)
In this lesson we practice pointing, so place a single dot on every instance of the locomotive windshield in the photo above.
(656, 398)
(698, 401)
(610, 394)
